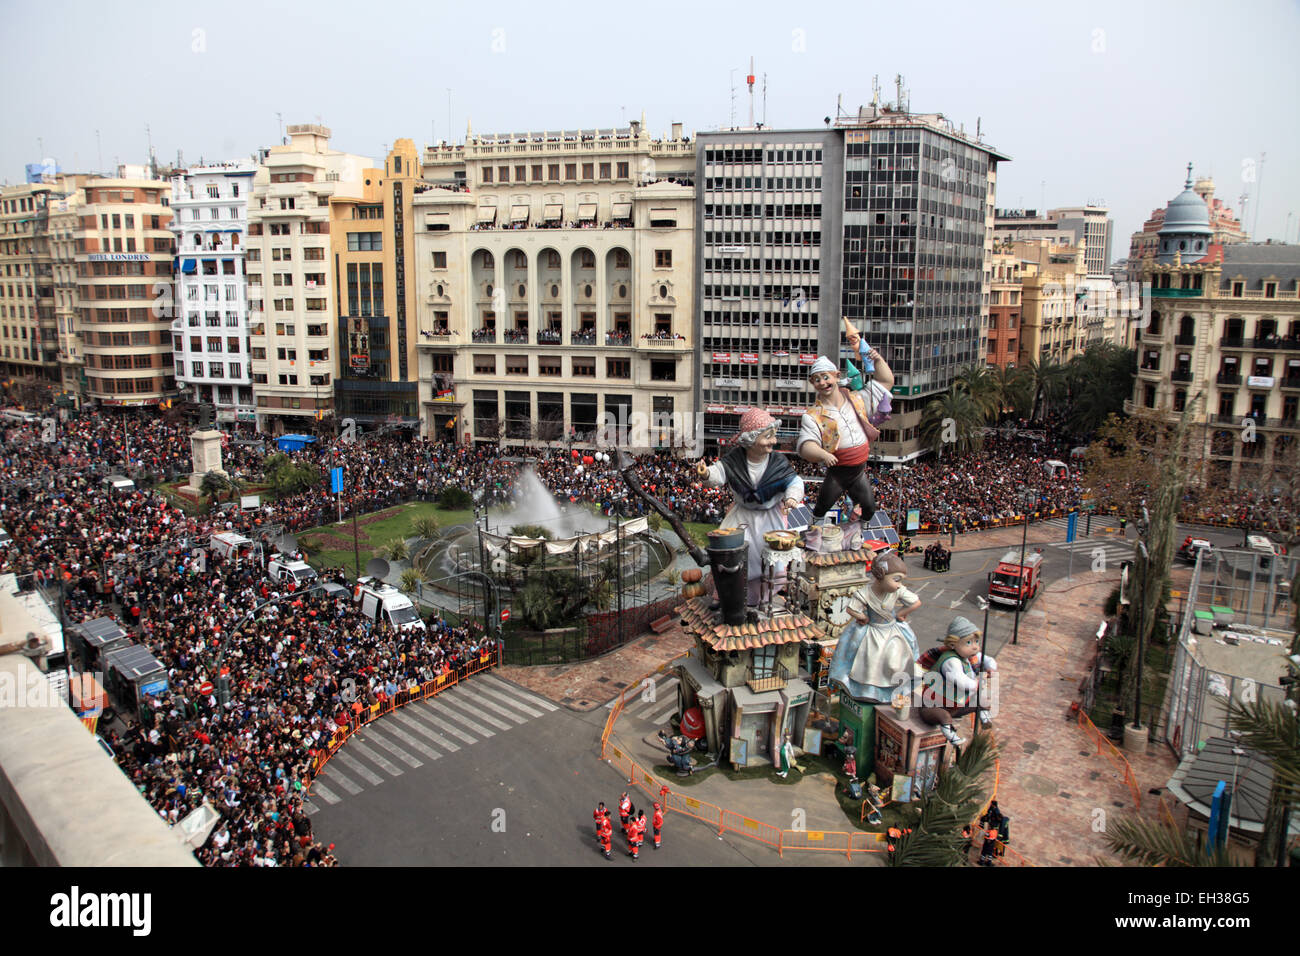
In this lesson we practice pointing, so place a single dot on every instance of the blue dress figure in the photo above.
(876, 654)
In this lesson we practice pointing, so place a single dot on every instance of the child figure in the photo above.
(876, 654)
(763, 481)
(949, 684)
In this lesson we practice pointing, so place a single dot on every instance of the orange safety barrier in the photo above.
(414, 693)
(1117, 759)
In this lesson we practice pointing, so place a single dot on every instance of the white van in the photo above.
(383, 602)
(118, 483)
(1264, 548)
(285, 569)
(228, 544)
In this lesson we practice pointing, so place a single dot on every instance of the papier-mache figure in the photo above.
(876, 654)
(952, 679)
(763, 481)
(838, 429)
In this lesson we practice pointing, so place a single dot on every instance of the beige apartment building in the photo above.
(125, 264)
(28, 333)
(291, 278)
(65, 218)
(1005, 290)
(1052, 322)
(555, 288)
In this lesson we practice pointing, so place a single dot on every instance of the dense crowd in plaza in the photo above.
(303, 666)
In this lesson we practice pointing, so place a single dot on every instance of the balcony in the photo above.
(1181, 375)
(663, 342)
(582, 338)
(1291, 382)
(1273, 342)
(1228, 378)
(618, 338)
(1177, 293)
(484, 336)
(1149, 367)
(550, 337)
(1232, 342)
(1184, 340)
(516, 336)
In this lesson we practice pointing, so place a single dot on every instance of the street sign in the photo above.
(1072, 527)
(205, 688)
(336, 481)
(505, 614)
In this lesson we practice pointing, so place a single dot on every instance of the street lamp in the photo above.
(1142, 616)
(1028, 499)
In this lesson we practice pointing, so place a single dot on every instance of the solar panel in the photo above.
(881, 528)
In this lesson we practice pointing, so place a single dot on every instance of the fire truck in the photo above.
(1013, 583)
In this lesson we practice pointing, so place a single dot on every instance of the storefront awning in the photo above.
(189, 266)
(586, 210)
(554, 211)
(487, 213)
(622, 210)
(519, 213)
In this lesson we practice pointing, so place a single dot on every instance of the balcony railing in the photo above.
(1184, 340)
(661, 342)
(618, 338)
(1228, 378)
(582, 338)
(1274, 342)
(1232, 342)
(484, 335)
(1291, 382)
(1181, 375)
(550, 337)
(1176, 293)
(516, 337)
(1150, 367)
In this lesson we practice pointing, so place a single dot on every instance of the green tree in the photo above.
(937, 839)
(952, 421)
(1098, 382)
(981, 388)
(1012, 389)
(1046, 382)
(453, 498)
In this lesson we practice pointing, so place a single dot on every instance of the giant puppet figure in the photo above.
(875, 657)
(838, 429)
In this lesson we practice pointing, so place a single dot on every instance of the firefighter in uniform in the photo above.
(657, 821)
(605, 834)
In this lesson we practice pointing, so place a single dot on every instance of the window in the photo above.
(587, 170)
(618, 368)
(516, 364)
(487, 174)
(521, 174)
(622, 171)
(553, 172)
(584, 367)
(503, 174)
(663, 370)
(570, 170)
(604, 170)
(663, 258)
(485, 364)
(365, 241)
(440, 260)
(549, 365)
(312, 254)
(537, 173)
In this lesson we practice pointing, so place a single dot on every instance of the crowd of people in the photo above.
(301, 666)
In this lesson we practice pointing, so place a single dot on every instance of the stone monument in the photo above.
(205, 446)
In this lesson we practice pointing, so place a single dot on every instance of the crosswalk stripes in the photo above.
(419, 746)
(417, 727)
(459, 717)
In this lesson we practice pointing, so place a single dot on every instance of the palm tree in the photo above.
(937, 839)
(426, 526)
(952, 419)
(1045, 381)
(1012, 389)
(395, 550)
(411, 581)
(1099, 380)
(978, 383)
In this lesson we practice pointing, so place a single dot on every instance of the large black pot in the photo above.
(731, 580)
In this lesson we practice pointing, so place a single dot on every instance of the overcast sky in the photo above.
(1100, 101)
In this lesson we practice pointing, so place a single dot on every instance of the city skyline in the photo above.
(1031, 79)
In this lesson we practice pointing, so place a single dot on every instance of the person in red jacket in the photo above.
(598, 815)
(657, 821)
(624, 809)
(640, 827)
(605, 834)
(633, 838)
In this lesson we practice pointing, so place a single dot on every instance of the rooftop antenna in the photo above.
(765, 100)
(450, 128)
(280, 120)
(733, 99)
(978, 121)
(749, 81)
(898, 90)
(99, 149)
(1259, 182)
(875, 91)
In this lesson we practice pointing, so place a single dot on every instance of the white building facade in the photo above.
(210, 329)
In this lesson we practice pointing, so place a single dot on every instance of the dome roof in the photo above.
(1187, 213)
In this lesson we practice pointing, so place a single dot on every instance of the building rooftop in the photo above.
(1257, 261)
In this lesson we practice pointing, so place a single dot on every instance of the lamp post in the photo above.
(1028, 500)
(1142, 616)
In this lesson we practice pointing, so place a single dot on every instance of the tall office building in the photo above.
(1094, 224)
(374, 254)
(767, 271)
(554, 273)
(210, 328)
(918, 201)
(124, 253)
(291, 279)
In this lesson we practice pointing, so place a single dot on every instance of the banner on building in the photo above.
(359, 343)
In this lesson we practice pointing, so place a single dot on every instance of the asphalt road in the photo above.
(521, 797)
